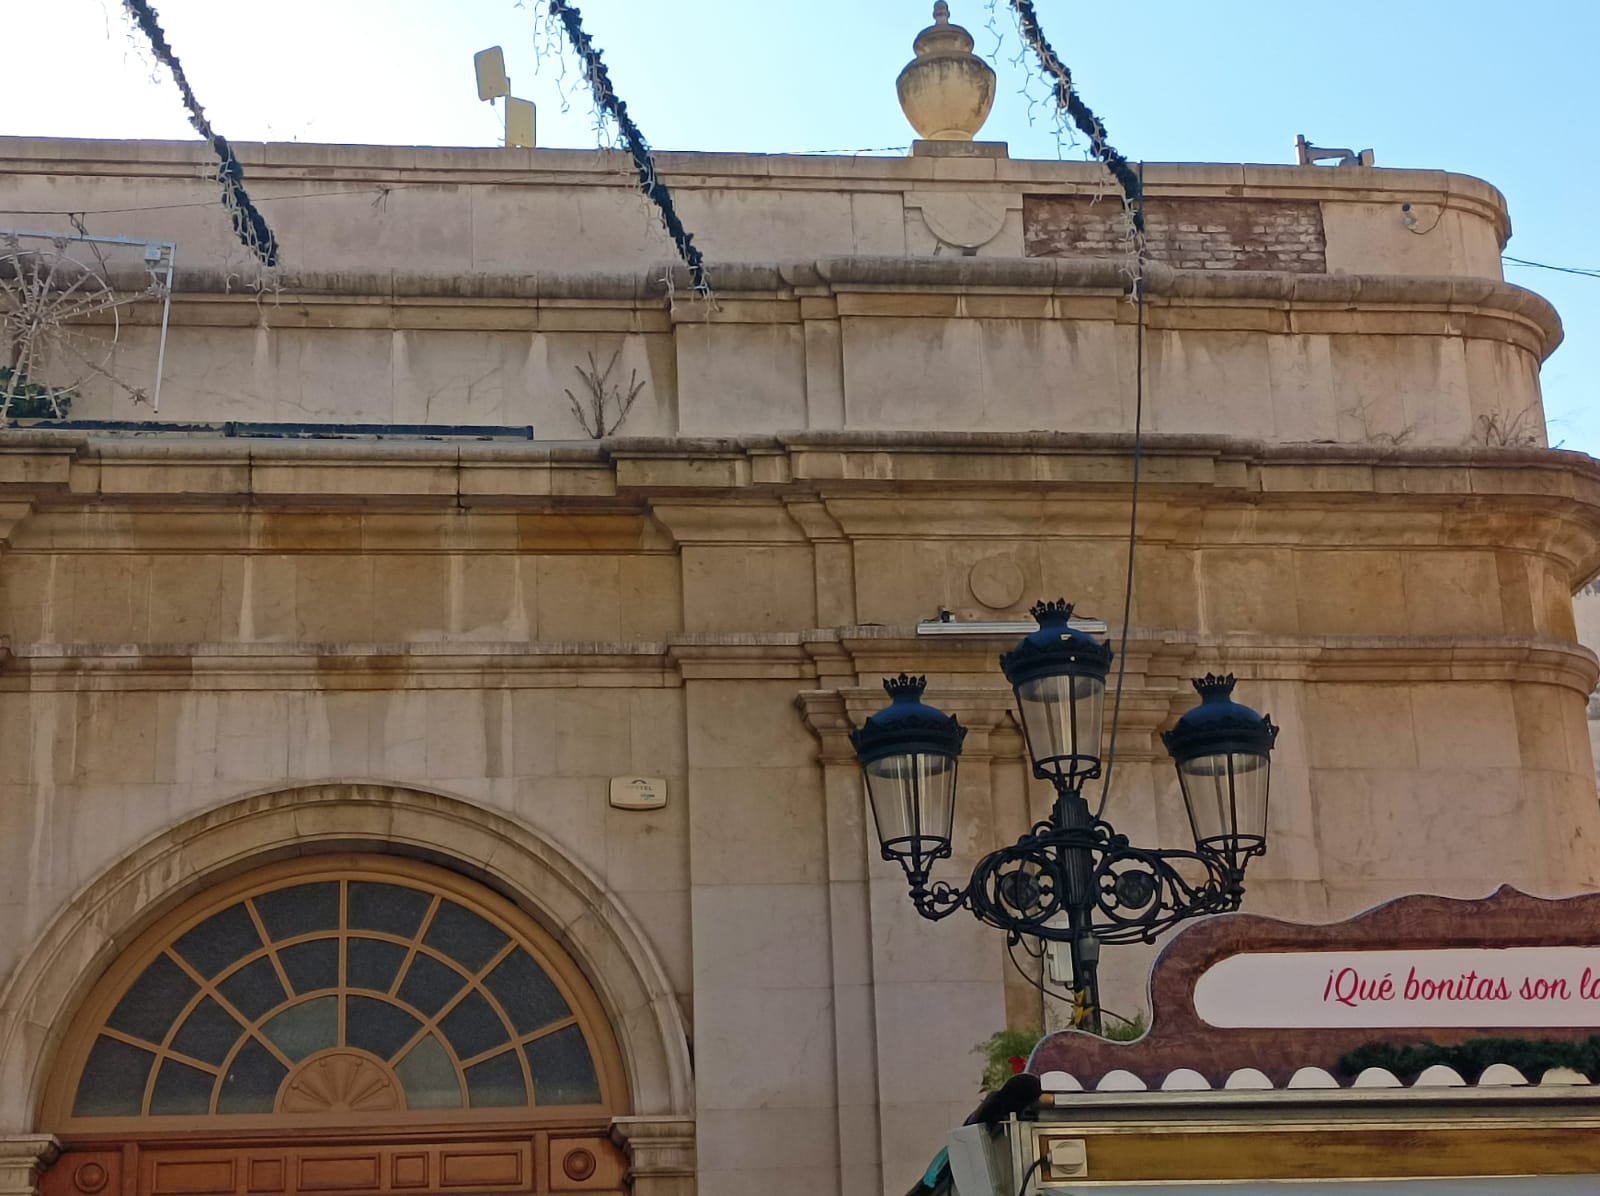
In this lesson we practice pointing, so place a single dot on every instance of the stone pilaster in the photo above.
(661, 1154)
(23, 1158)
(850, 938)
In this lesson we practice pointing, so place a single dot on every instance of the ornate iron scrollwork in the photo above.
(1064, 884)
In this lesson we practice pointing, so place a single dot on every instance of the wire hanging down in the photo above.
(249, 225)
(1082, 116)
(654, 189)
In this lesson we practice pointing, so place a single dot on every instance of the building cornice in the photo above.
(64, 491)
(41, 455)
(1082, 288)
(183, 493)
(1160, 664)
(496, 166)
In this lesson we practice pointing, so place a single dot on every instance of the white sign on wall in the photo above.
(638, 793)
(1487, 987)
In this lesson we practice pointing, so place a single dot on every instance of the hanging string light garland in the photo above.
(248, 224)
(1131, 180)
(606, 98)
(1082, 115)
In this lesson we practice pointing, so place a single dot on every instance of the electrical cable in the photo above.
(1133, 521)
(1517, 261)
(1022, 1189)
(1131, 181)
(871, 149)
(379, 192)
(1059, 994)
(1423, 232)
(248, 224)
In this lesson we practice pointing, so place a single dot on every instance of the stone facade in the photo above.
(1586, 608)
(1191, 234)
(227, 648)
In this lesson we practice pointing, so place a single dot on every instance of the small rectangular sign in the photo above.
(1522, 987)
(520, 118)
(638, 793)
(490, 67)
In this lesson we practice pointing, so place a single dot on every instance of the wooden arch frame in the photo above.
(59, 970)
(340, 869)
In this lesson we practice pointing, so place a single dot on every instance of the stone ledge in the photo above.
(1160, 662)
(921, 148)
(1392, 295)
(333, 164)
(62, 467)
(1090, 291)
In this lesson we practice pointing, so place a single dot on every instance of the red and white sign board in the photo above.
(1246, 991)
(1480, 987)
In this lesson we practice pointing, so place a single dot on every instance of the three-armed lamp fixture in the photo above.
(1072, 878)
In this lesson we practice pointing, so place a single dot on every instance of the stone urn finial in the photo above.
(946, 91)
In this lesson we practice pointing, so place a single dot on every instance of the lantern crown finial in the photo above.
(905, 688)
(1052, 614)
(1214, 687)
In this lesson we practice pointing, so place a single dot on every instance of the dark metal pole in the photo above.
(1086, 977)
(1072, 813)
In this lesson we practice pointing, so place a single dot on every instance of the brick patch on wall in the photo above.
(1190, 234)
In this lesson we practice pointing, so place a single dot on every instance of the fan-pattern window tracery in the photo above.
(347, 991)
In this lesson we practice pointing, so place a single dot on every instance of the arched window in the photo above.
(340, 990)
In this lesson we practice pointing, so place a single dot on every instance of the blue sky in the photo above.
(1507, 92)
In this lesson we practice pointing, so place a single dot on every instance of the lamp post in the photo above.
(1072, 878)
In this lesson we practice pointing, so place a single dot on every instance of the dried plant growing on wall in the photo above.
(602, 410)
(1362, 413)
(1496, 429)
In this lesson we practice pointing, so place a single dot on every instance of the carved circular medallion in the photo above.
(340, 1082)
(996, 581)
(579, 1165)
(90, 1178)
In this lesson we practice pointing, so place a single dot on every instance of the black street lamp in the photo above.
(1072, 878)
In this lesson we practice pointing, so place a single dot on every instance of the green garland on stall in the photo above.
(23, 399)
(1532, 1057)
